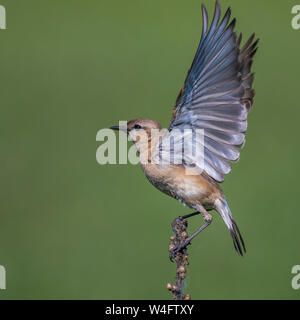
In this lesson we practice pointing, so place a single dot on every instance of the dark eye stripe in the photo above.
(137, 126)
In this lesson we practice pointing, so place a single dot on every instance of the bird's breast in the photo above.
(189, 189)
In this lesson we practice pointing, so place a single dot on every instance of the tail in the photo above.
(223, 209)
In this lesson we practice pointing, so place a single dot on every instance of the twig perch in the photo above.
(179, 227)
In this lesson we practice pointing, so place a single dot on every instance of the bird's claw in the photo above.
(177, 248)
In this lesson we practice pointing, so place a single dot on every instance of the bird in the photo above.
(215, 99)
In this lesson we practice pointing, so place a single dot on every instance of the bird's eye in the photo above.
(137, 126)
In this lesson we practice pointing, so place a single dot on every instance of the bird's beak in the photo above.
(120, 128)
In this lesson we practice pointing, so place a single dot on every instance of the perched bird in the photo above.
(216, 97)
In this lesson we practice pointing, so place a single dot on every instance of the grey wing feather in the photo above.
(217, 93)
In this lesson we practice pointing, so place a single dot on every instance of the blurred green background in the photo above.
(73, 229)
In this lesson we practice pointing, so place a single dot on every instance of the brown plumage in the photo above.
(216, 97)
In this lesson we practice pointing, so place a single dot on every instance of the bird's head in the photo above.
(139, 130)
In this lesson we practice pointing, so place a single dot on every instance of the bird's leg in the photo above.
(190, 215)
(207, 218)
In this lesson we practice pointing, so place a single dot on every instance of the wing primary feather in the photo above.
(239, 40)
(205, 21)
(217, 95)
(247, 43)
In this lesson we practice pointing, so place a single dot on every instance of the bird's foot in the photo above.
(178, 248)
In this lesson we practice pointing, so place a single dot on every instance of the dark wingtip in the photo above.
(203, 7)
(204, 20)
(239, 40)
(253, 52)
(228, 12)
(231, 24)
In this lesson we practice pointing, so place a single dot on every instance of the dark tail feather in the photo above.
(238, 242)
(237, 238)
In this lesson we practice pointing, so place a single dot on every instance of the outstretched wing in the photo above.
(217, 94)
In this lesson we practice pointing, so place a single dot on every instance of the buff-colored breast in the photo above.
(191, 189)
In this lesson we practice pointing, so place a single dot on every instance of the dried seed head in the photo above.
(172, 238)
(171, 246)
(181, 269)
(184, 234)
(187, 297)
(169, 286)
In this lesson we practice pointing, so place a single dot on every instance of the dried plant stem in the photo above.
(179, 227)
